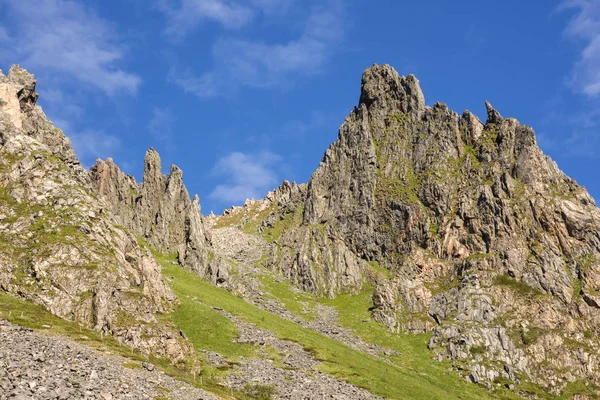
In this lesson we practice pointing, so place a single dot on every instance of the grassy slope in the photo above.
(428, 381)
(419, 377)
(354, 314)
(27, 314)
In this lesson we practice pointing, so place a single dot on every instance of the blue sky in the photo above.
(242, 94)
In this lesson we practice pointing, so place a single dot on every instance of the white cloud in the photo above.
(258, 64)
(160, 127)
(65, 38)
(584, 26)
(247, 176)
(89, 145)
(203, 86)
(4, 36)
(184, 15)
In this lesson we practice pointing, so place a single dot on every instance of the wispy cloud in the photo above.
(298, 129)
(67, 39)
(4, 37)
(240, 62)
(584, 27)
(160, 127)
(246, 176)
(89, 145)
(183, 16)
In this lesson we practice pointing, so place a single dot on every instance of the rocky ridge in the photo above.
(60, 247)
(466, 230)
(160, 211)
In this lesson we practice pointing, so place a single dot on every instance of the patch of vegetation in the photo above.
(531, 335)
(286, 221)
(337, 359)
(480, 256)
(475, 350)
(131, 365)
(434, 228)
(586, 261)
(394, 188)
(489, 138)
(379, 270)
(259, 392)
(300, 303)
(517, 285)
(471, 155)
(7, 160)
(207, 328)
(400, 118)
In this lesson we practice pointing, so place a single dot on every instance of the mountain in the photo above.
(60, 246)
(428, 249)
(465, 229)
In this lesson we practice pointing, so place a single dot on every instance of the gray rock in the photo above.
(68, 253)
(148, 366)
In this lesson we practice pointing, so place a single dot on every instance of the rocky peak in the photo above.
(471, 127)
(25, 83)
(152, 168)
(160, 211)
(493, 116)
(469, 219)
(382, 86)
(59, 246)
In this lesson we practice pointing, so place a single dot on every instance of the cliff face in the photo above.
(60, 247)
(466, 229)
(161, 212)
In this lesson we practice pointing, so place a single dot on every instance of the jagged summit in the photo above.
(493, 116)
(159, 209)
(60, 248)
(468, 219)
(382, 84)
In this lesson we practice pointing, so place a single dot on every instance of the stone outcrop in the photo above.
(58, 245)
(466, 229)
(160, 211)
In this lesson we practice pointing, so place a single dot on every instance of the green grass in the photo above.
(286, 221)
(291, 299)
(379, 270)
(27, 314)
(208, 329)
(518, 286)
(418, 377)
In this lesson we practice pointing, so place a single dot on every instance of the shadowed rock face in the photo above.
(59, 246)
(487, 243)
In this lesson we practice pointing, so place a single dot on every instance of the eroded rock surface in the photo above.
(59, 246)
(466, 229)
(161, 212)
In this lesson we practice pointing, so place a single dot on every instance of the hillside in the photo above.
(430, 256)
